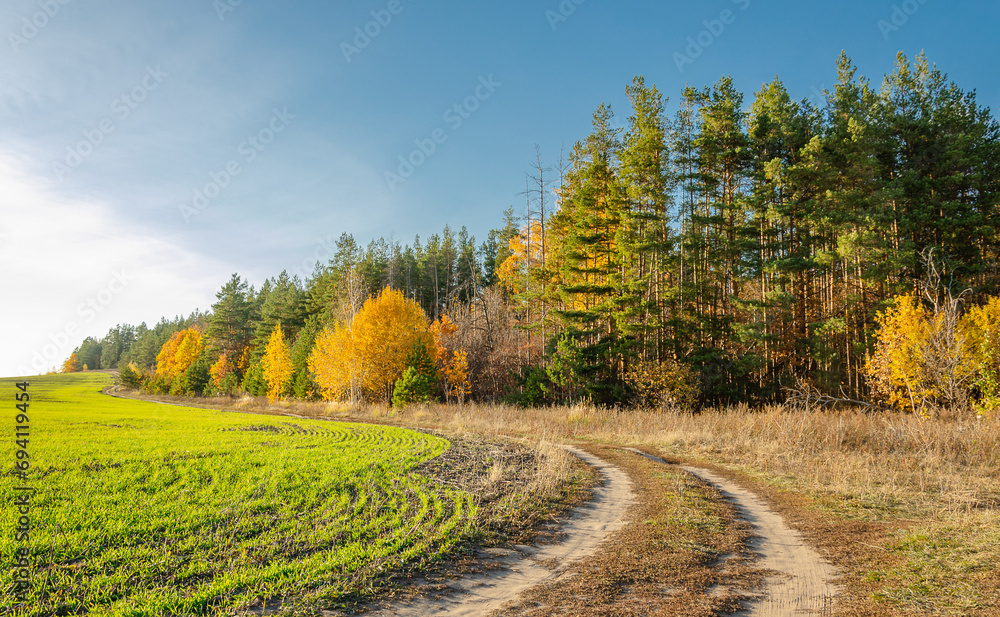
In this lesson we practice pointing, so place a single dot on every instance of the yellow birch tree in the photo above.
(72, 364)
(178, 353)
(365, 358)
(277, 364)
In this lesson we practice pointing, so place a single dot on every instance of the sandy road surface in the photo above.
(530, 566)
(802, 583)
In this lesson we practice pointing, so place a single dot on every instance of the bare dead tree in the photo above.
(945, 369)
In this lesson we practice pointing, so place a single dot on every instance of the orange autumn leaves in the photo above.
(364, 358)
(178, 354)
(453, 363)
(72, 364)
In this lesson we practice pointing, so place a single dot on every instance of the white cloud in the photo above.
(71, 269)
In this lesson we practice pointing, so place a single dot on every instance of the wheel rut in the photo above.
(801, 580)
(527, 567)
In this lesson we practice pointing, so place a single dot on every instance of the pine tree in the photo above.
(722, 220)
(587, 227)
(646, 238)
(418, 383)
(284, 304)
(232, 323)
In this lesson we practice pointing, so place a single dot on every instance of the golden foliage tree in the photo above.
(456, 375)
(72, 364)
(365, 358)
(920, 363)
(526, 254)
(442, 331)
(277, 364)
(452, 363)
(980, 328)
(220, 370)
(338, 368)
(179, 353)
(894, 367)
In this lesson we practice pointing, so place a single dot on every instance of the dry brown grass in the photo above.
(906, 508)
(686, 553)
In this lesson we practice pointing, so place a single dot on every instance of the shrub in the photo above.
(419, 381)
(663, 385)
(253, 381)
(534, 388)
(130, 376)
(197, 377)
(157, 384)
(411, 388)
(920, 363)
(980, 328)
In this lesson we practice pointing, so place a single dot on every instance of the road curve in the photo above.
(521, 570)
(802, 585)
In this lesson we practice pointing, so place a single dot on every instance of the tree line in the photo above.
(725, 252)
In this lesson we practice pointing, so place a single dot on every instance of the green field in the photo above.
(147, 509)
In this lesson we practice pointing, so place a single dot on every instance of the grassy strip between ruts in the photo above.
(682, 553)
(145, 509)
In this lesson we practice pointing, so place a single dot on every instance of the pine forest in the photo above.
(707, 250)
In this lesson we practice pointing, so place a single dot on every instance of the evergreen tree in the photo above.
(115, 344)
(88, 354)
(284, 304)
(587, 226)
(232, 323)
(646, 238)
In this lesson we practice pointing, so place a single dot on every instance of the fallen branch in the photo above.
(804, 397)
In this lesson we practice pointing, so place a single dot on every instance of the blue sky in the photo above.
(114, 115)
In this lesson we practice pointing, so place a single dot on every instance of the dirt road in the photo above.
(802, 583)
(530, 566)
